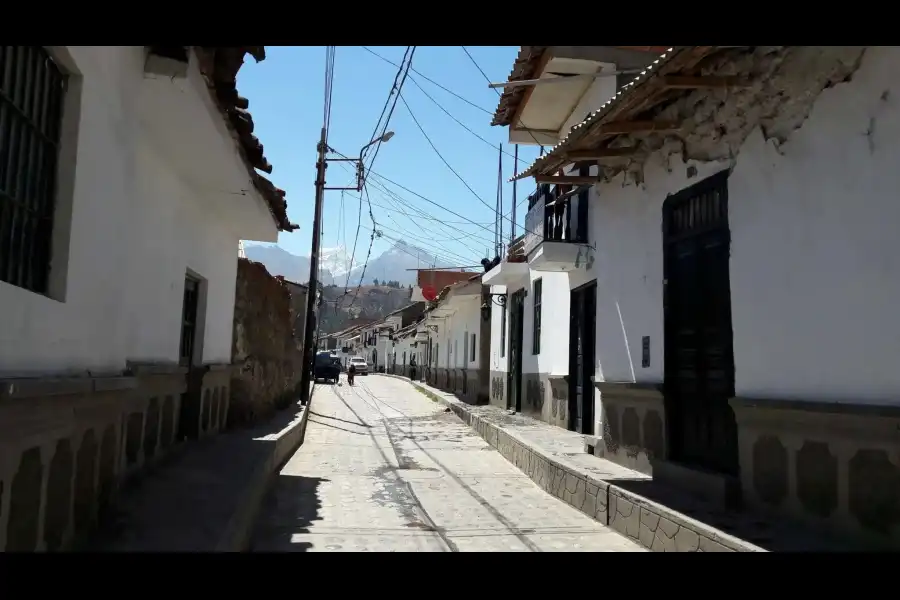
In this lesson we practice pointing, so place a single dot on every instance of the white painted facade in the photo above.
(815, 274)
(459, 322)
(150, 186)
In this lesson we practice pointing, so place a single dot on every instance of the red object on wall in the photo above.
(429, 293)
(440, 279)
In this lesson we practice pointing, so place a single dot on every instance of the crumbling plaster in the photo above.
(785, 82)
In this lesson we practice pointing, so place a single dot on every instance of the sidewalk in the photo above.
(658, 517)
(207, 498)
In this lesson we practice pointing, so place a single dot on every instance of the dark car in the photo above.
(327, 367)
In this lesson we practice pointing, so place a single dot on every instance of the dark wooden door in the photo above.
(699, 356)
(191, 400)
(582, 332)
(514, 371)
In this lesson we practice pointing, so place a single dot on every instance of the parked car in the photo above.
(327, 366)
(362, 367)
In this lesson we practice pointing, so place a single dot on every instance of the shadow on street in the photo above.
(290, 495)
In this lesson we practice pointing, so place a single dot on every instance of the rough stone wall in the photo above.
(264, 351)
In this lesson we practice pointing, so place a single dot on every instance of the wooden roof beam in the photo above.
(601, 154)
(567, 179)
(682, 82)
(623, 127)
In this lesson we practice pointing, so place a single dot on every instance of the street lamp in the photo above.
(360, 169)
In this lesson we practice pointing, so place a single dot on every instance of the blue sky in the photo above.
(286, 93)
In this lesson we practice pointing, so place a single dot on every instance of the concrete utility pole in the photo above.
(309, 338)
(312, 296)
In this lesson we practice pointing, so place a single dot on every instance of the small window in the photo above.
(466, 348)
(472, 353)
(503, 331)
(32, 89)
(189, 311)
(536, 329)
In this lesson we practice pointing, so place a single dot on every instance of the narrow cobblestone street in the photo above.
(384, 468)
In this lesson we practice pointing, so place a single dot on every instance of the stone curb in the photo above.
(236, 537)
(648, 523)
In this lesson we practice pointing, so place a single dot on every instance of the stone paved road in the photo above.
(384, 468)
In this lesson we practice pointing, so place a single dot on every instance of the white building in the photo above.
(127, 180)
(743, 276)
(458, 335)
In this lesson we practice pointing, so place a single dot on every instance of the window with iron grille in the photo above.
(465, 347)
(503, 331)
(189, 320)
(536, 330)
(32, 89)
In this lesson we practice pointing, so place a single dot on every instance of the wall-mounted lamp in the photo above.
(433, 328)
(486, 307)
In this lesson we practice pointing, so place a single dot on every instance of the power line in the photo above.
(426, 199)
(461, 124)
(432, 81)
(521, 122)
(398, 87)
(374, 132)
(441, 156)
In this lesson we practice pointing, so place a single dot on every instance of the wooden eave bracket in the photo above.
(623, 127)
(683, 82)
(567, 179)
(602, 155)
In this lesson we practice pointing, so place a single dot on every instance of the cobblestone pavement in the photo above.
(384, 468)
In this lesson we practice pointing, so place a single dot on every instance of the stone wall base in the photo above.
(634, 425)
(67, 444)
(497, 396)
(546, 397)
(833, 466)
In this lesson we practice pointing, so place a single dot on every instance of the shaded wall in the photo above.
(265, 352)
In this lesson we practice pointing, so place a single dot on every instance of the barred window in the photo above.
(536, 323)
(32, 89)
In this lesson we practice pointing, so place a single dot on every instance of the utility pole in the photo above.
(312, 295)
(310, 337)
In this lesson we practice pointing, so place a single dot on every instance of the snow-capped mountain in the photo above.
(391, 265)
(335, 260)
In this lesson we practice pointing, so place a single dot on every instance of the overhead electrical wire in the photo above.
(432, 81)
(458, 122)
(428, 200)
(384, 109)
(389, 195)
(447, 164)
(397, 88)
(521, 122)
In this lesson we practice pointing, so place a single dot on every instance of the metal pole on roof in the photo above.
(512, 229)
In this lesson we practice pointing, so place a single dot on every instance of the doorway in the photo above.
(582, 354)
(188, 356)
(698, 348)
(514, 372)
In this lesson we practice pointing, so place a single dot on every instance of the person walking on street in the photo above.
(351, 372)
(412, 367)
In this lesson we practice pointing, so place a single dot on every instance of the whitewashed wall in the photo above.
(127, 229)
(554, 356)
(499, 342)
(815, 271)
